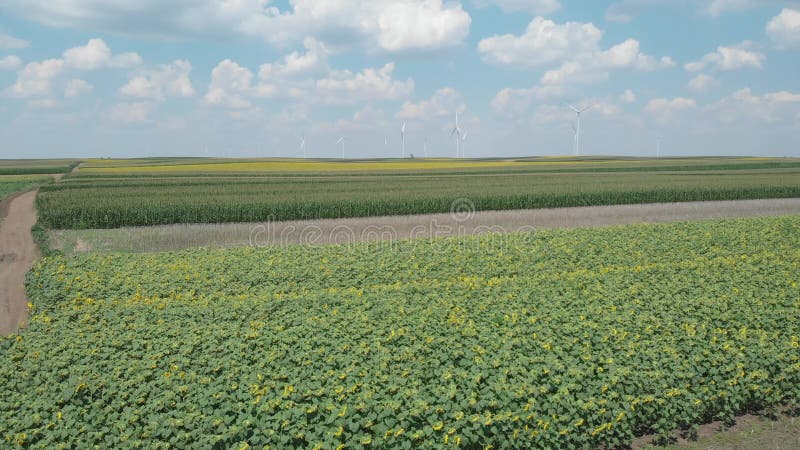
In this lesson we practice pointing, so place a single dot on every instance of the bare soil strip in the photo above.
(461, 222)
(18, 254)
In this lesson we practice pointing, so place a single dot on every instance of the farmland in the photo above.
(36, 166)
(13, 183)
(576, 338)
(110, 194)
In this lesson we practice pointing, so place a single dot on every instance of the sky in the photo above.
(254, 78)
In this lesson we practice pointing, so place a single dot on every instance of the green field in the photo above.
(14, 183)
(36, 166)
(558, 339)
(109, 195)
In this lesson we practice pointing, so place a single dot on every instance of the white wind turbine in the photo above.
(578, 126)
(403, 140)
(303, 145)
(426, 147)
(658, 146)
(341, 141)
(457, 133)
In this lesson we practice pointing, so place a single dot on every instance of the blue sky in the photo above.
(129, 78)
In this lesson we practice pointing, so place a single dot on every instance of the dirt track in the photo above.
(17, 254)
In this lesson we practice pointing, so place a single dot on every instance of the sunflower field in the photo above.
(554, 339)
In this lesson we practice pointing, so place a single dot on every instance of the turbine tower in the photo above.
(303, 145)
(403, 140)
(341, 141)
(457, 133)
(426, 147)
(658, 146)
(578, 127)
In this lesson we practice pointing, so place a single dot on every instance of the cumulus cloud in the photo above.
(702, 83)
(729, 58)
(784, 29)
(97, 55)
(543, 42)
(304, 76)
(597, 66)
(627, 10)
(131, 113)
(443, 102)
(158, 83)
(719, 7)
(387, 25)
(10, 62)
(231, 85)
(41, 103)
(628, 96)
(514, 102)
(404, 26)
(743, 105)
(35, 79)
(77, 87)
(664, 110)
(369, 84)
(573, 47)
(531, 6)
(11, 42)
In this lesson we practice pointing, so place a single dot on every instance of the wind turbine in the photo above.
(574, 135)
(658, 146)
(341, 141)
(426, 147)
(457, 133)
(303, 145)
(403, 140)
(578, 127)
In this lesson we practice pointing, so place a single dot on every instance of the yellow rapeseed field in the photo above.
(322, 166)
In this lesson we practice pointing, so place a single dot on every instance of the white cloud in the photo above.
(514, 102)
(531, 6)
(626, 10)
(664, 110)
(784, 29)
(729, 58)
(158, 83)
(702, 83)
(10, 62)
(231, 85)
(422, 25)
(10, 42)
(744, 106)
(35, 79)
(628, 96)
(77, 87)
(444, 102)
(596, 66)
(369, 84)
(719, 7)
(574, 46)
(97, 55)
(388, 25)
(138, 112)
(41, 103)
(313, 62)
(544, 42)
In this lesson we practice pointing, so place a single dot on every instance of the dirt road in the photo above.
(17, 254)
